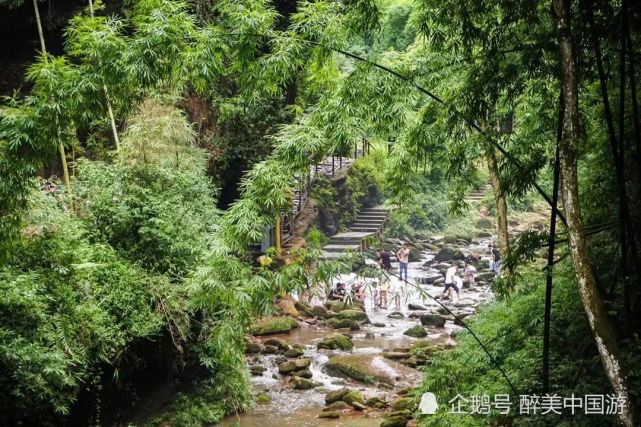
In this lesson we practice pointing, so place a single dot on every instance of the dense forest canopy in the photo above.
(147, 146)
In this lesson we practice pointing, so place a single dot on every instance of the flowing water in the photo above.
(301, 407)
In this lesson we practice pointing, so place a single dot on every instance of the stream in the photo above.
(290, 407)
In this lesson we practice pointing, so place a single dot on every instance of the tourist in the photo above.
(469, 273)
(382, 292)
(375, 296)
(384, 260)
(495, 255)
(358, 292)
(403, 256)
(452, 282)
(338, 293)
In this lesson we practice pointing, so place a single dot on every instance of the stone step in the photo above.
(372, 230)
(369, 221)
(378, 217)
(374, 210)
(330, 255)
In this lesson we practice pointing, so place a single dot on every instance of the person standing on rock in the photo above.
(469, 273)
(451, 283)
(403, 256)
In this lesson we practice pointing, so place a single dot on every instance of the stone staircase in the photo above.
(369, 223)
(476, 196)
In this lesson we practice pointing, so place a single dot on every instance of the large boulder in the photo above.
(338, 306)
(338, 406)
(288, 308)
(358, 368)
(336, 395)
(336, 342)
(278, 343)
(345, 323)
(416, 332)
(412, 306)
(291, 366)
(304, 309)
(356, 315)
(273, 325)
(251, 346)
(394, 421)
(404, 403)
(433, 320)
(320, 312)
(449, 254)
(300, 383)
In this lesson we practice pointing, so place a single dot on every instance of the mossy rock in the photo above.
(396, 355)
(436, 320)
(416, 331)
(304, 309)
(303, 373)
(329, 414)
(395, 421)
(450, 239)
(375, 402)
(288, 308)
(448, 254)
(273, 325)
(404, 403)
(291, 366)
(352, 397)
(336, 342)
(345, 323)
(300, 383)
(293, 353)
(263, 399)
(338, 306)
(320, 312)
(356, 367)
(336, 395)
(338, 406)
(356, 315)
(278, 343)
(252, 347)
(257, 370)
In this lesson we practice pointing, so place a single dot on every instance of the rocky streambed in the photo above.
(322, 364)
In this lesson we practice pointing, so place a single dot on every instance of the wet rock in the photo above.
(300, 383)
(378, 324)
(280, 359)
(336, 342)
(359, 406)
(356, 315)
(257, 370)
(273, 325)
(370, 335)
(252, 347)
(353, 397)
(439, 281)
(416, 331)
(346, 323)
(304, 309)
(356, 367)
(395, 355)
(449, 254)
(336, 395)
(270, 349)
(395, 315)
(329, 414)
(293, 365)
(417, 314)
(483, 234)
(339, 306)
(395, 421)
(293, 353)
(287, 307)
(338, 406)
(277, 342)
(263, 399)
(486, 276)
(375, 402)
(433, 320)
(303, 373)
(412, 306)
(405, 403)
(320, 312)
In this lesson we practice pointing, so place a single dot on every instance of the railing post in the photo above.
(355, 150)
(340, 162)
(333, 166)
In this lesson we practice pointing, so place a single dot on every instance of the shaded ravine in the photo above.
(289, 407)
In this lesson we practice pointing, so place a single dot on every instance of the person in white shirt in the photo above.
(452, 283)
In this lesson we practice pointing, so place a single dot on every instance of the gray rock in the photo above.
(436, 320)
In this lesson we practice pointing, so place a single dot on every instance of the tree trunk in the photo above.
(499, 198)
(568, 152)
(114, 129)
(39, 24)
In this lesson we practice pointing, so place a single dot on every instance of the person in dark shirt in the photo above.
(338, 293)
(495, 266)
(384, 260)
